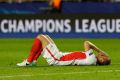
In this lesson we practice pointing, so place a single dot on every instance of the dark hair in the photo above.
(107, 62)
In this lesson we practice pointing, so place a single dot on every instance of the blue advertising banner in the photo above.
(60, 25)
(67, 7)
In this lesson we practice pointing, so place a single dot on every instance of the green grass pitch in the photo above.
(13, 51)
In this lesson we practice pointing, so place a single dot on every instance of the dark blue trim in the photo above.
(33, 8)
(61, 35)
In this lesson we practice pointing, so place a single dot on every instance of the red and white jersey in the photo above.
(55, 57)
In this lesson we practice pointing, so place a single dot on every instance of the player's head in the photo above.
(103, 60)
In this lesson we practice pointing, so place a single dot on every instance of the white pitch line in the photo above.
(67, 73)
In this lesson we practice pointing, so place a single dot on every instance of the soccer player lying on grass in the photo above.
(44, 45)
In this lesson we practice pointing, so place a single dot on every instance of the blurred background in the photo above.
(38, 6)
(59, 18)
(22, 20)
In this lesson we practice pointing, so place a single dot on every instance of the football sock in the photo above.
(36, 48)
(37, 55)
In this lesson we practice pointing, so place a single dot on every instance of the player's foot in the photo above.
(34, 63)
(24, 63)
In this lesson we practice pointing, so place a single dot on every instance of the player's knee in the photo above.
(86, 42)
(40, 35)
(47, 36)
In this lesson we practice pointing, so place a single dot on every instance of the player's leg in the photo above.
(39, 43)
(45, 42)
(48, 37)
(36, 47)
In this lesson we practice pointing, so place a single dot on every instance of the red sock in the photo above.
(38, 54)
(36, 47)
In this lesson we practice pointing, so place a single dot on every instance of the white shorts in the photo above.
(52, 54)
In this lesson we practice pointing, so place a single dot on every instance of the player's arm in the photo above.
(88, 45)
(101, 56)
